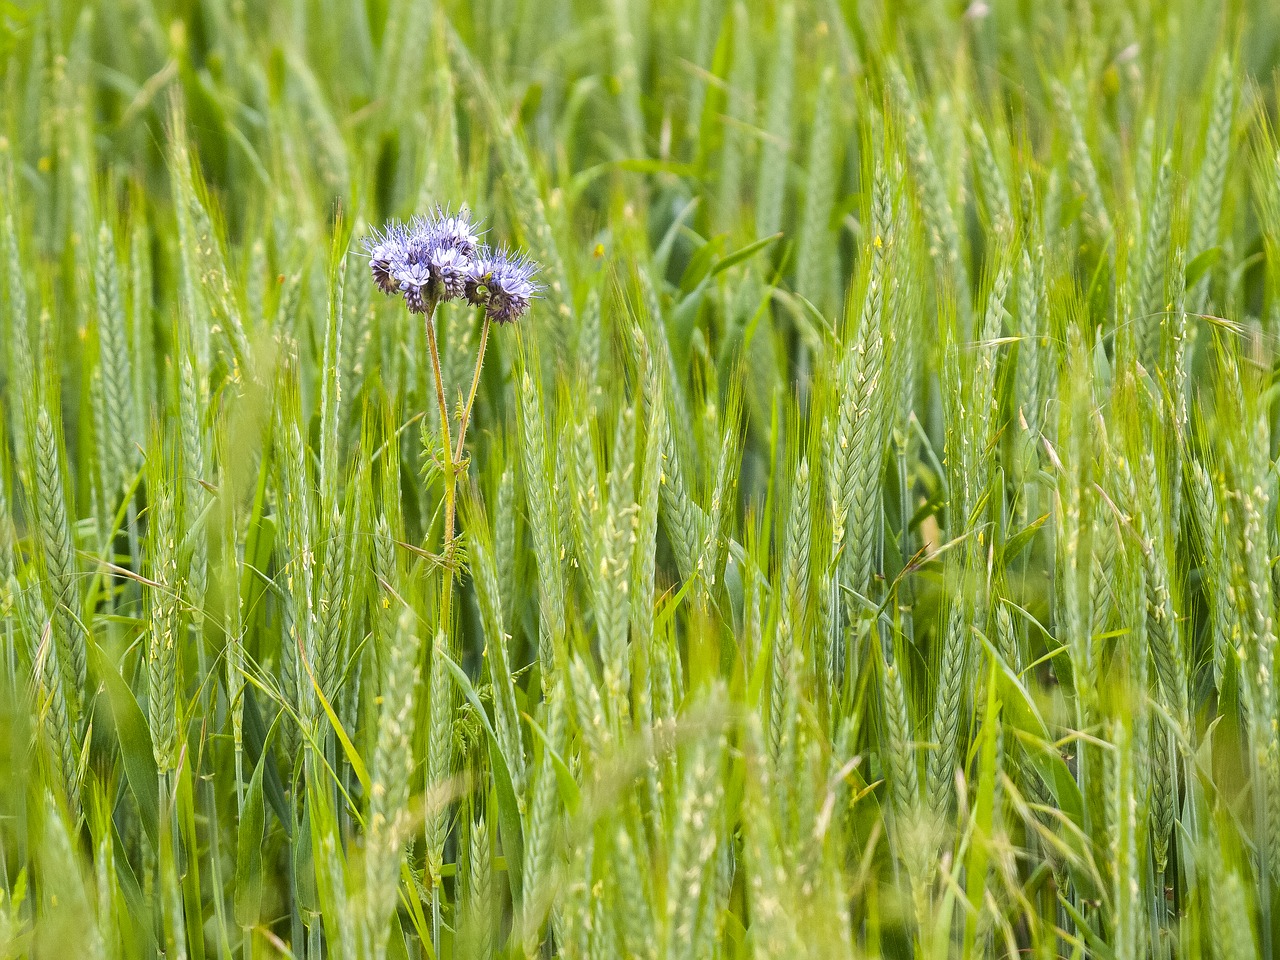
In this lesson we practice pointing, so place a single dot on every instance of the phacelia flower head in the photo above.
(388, 251)
(440, 257)
(415, 282)
(449, 269)
(455, 231)
(503, 284)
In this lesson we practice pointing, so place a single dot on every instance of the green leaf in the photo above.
(810, 322)
(1202, 264)
(1097, 946)
(700, 264)
(353, 756)
(743, 253)
(396, 949)
(982, 821)
(1018, 542)
(1033, 733)
(192, 896)
(683, 320)
(508, 809)
(255, 738)
(328, 863)
(134, 737)
(248, 895)
(662, 253)
(569, 791)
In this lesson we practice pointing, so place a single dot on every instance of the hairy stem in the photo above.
(449, 475)
(471, 397)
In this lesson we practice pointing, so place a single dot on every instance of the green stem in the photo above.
(471, 397)
(437, 893)
(450, 478)
(449, 465)
(452, 455)
(452, 460)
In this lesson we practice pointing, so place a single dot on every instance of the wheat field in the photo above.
(820, 499)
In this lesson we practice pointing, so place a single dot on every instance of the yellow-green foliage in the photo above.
(866, 544)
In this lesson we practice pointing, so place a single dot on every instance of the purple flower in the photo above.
(415, 282)
(440, 257)
(449, 270)
(388, 250)
(455, 231)
(503, 284)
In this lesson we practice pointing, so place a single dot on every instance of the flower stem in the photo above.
(471, 397)
(450, 486)
(450, 476)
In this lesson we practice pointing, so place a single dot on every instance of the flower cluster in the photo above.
(435, 258)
